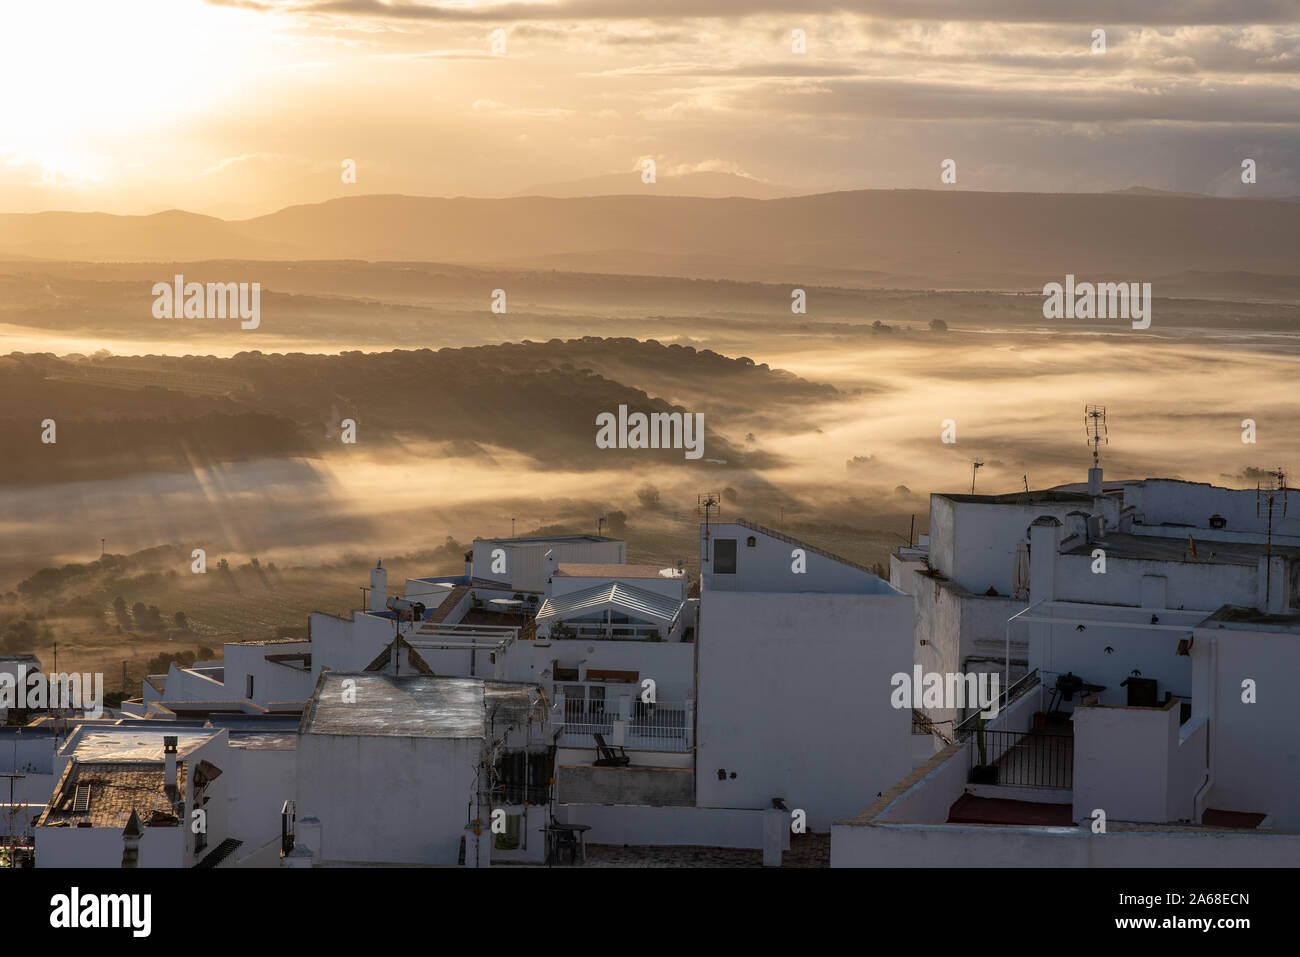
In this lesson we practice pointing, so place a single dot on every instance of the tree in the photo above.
(119, 610)
(648, 496)
(617, 521)
(182, 622)
(938, 325)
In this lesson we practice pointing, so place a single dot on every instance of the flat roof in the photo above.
(1162, 549)
(269, 641)
(1039, 497)
(413, 706)
(548, 539)
(1253, 619)
(124, 743)
(615, 570)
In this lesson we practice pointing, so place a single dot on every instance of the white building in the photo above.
(519, 563)
(796, 650)
(415, 769)
(14, 668)
(170, 779)
(1166, 544)
(1141, 736)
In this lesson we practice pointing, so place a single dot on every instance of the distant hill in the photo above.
(913, 238)
(703, 185)
(128, 415)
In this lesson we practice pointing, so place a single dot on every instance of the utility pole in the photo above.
(975, 467)
(12, 811)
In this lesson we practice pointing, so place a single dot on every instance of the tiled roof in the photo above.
(448, 604)
(116, 789)
(219, 853)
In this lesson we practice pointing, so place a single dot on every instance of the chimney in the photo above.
(131, 835)
(169, 756)
(1044, 543)
(378, 586)
(1094, 480)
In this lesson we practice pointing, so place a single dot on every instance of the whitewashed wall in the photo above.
(794, 697)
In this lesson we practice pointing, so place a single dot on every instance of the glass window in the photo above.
(724, 556)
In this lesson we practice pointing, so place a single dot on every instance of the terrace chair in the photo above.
(608, 759)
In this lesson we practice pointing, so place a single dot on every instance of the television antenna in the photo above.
(975, 466)
(1094, 423)
(1268, 492)
(708, 505)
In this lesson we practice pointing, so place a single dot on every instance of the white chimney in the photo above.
(378, 586)
(1044, 543)
(169, 758)
(1094, 480)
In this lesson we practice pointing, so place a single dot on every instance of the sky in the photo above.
(239, 107)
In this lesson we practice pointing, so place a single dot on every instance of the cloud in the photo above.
(1095, 12)
(245, 159)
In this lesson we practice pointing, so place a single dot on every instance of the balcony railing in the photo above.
(1008, 697)
(665, 726)
(1023, 759)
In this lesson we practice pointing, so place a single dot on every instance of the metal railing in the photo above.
(1008, 697)
(815, 549)
(649, 727)
(1024, 759)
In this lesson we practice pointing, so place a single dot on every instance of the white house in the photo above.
(519, 563)
(417, 769)
(796, 650)
(1142, 735)
(169, 780)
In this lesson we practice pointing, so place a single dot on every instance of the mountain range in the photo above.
(899, 238)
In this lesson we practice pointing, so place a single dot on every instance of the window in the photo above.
(248, 687)
(751, 541)
(509, 840)
(724, 556)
